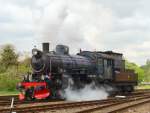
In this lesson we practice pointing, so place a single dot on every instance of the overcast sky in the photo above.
(118, 25)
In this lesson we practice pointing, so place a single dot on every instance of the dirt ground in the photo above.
(145, 108)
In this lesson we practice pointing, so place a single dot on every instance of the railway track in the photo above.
(117, 106)
(92, 105)
(55, 106)
(129, 106)
(78, 107)
(7, 103)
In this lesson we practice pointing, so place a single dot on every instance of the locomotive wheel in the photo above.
(29, 94)
(120, 89)
(125, 89)
(129, 89)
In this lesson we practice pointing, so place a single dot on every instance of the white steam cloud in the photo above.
(86, 94)
(78, 23)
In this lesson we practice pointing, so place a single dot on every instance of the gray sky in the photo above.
(118, 25)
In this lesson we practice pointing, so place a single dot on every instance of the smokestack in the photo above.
(45, 47)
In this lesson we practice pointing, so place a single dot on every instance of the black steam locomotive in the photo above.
(53, 70)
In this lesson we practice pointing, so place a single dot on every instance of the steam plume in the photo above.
(78, 23)
(86, 94)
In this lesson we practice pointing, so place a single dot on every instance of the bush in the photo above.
(2, 68)
(146, 69)
(137, 69)
(8, 56)
(11, 70)
(12, 76)
(8, 80)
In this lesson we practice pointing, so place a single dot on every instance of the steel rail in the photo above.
(98, 108)
(63, 106)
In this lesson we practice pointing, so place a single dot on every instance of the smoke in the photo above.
(86, 94)
(77, 23)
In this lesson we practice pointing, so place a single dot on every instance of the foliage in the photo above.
(143, 87)
(24, 67)
(148, 62)
(9, 79)
(7, 92)
(137, 69)
(2, 68)
(146, 69)
(11, 70)
(8, 56)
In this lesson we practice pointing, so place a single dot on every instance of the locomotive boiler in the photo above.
(53, 70)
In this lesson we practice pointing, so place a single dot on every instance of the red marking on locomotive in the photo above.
(41, 94)
(21, 96)
(33, 84)
(38, 93)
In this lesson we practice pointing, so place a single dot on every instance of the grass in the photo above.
(143, 87)
(8, 92)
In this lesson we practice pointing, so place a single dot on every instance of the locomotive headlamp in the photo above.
(34, 51)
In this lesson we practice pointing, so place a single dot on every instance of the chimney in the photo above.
(45, 47)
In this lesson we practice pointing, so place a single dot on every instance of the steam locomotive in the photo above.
(53, 71)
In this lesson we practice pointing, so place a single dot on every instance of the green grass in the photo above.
(143, 87)
(7, 92)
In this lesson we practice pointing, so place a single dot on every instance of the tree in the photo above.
(146, 69)
(148, 62)
(137, 69)
(8, 56)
